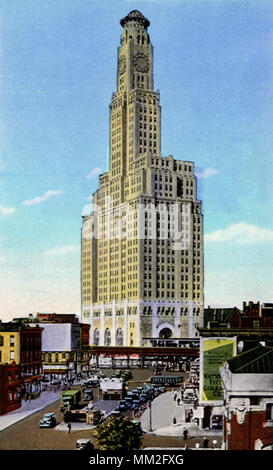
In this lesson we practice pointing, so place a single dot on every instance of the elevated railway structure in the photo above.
(168, 356)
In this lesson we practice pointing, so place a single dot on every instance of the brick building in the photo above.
(21, 345)
(248, 400)
(65, 345)
(31, 359)
(252, 315)
(10, 387)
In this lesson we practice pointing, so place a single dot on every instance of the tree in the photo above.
(119, 433)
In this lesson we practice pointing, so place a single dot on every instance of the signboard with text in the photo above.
(213, 353)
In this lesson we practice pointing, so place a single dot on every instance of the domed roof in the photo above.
(135, 15)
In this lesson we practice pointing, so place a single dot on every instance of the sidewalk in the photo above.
(28, 408)
(75, 426)
(164, 409)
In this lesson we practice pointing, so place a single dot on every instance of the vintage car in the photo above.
(84, 444)
(122, 405)
(48, 421)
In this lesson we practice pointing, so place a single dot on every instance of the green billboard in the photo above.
(213, 353)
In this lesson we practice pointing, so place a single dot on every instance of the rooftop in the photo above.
(258, 360)
(135, 15)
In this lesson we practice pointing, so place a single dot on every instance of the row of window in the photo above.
(108, 339)
(10, 339)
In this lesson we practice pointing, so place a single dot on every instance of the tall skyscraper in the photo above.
(142, 245)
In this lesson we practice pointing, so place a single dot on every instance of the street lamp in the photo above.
(150, 410)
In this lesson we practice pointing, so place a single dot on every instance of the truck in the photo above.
(70, 399)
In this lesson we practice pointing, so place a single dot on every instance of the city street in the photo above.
(25, 434)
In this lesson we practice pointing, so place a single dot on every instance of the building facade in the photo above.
(21, 344)
(142, 245)
(65, 349)
(248, 400)
(10, 387)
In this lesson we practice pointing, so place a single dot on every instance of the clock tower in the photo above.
(139, 283)
(134, 96)
(135, 55)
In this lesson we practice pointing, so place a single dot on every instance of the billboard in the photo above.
(213, 353)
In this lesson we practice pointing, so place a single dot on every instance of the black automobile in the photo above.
(122, 406)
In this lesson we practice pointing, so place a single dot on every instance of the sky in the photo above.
(213, 65)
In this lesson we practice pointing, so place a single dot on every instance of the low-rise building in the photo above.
(20, 344)
(112, 389)
(10, 387)
(248, 400)
(65, 346)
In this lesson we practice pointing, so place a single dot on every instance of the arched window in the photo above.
(96, 337)
(119, 337)
(107, 337)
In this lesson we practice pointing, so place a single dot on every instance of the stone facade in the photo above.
(142, 245)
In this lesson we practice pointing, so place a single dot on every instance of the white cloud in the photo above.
(241, 233)
(207, 172)
(62, 250)
(40, 199)
(96, 171)
(6, 210)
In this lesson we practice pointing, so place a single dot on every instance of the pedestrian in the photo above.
(178, 401)
(69, 428)
(185, 433)
(205, 443)
(174, 420)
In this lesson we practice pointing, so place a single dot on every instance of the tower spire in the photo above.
(135, 15)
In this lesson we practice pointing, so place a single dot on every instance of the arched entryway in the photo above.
(165, 333)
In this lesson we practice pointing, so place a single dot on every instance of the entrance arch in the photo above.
(165, 332)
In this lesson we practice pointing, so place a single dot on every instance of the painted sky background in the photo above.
(213, 65)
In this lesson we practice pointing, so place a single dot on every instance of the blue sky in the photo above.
(214, 69)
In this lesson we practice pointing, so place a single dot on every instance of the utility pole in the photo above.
(150, 411)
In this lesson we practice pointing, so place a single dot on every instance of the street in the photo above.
(27, 435)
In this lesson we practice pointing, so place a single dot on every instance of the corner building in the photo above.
(142, 245)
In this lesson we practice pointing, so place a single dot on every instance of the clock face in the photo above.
(122, 64)
(141, 62)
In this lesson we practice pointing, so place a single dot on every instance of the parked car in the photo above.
(48, 421)
(162, 389)
(122, 405)
(92, 383)
(129, 401)
(143, 397)
(88, 395)
(126, 374)
(117, 374)
(135, 405)
(84, 444)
